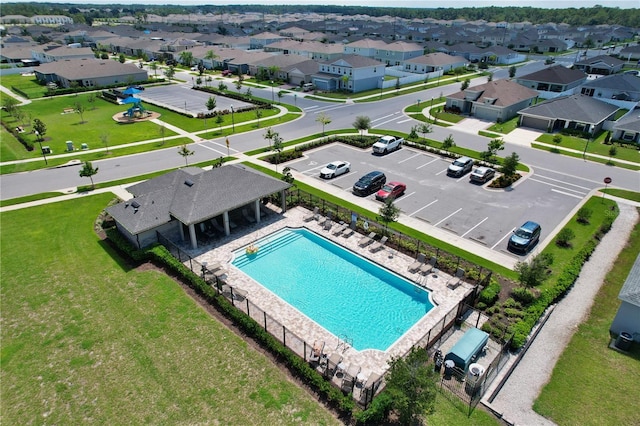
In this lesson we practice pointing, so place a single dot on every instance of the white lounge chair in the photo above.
(349, 231)
(340, 229)
(415, 266)
(317, 351)
(378, 246)
(365, 241)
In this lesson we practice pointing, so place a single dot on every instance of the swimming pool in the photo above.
(343, 292)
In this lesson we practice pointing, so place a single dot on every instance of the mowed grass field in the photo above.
(591, 383)
(87, 339)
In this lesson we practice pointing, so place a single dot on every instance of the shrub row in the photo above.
(299, 367)
(71, 90)
(490, 293)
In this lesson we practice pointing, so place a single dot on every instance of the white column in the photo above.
(225, 220)
(192, 234)
(181, 228)
(256, 210)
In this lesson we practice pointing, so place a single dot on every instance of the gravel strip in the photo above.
(515, 400)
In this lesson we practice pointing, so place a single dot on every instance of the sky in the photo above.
(546, 4)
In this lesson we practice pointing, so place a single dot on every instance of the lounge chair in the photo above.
(378, 246)
(328, 223)
(313, 215)
(349, 231)
(332, 363)
(248, 216)
(456, 280)
(415, 266)
(349, 377)
(428, 267)
(340, 229)
(365, 241)
(372, 384)
(217, 226)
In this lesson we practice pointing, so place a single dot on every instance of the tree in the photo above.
(273, 71)
(186, 58)
(362, 124)
(277, 147)
(80, 109)
(91, 99)
(388, 213)
(413, 133)
(489, 78)
(211, 103)
(162, 130)
(238, 84)
(10, 105)
(154, 68)
(534, 274)
(425, 128)
(557, 139)
(269, 135)
(280, 94)
(222, 87)
(323, 119)
(211, 56)
(258, 115)
(465, 84)
(185, 152)
(510, 165)
(411, 385)
(493, 147)
(512, 71)
(287, 176)
(448, 143)
(397, 84)
(87, 170)
(584, 215)
(40, 129)
(613, 151)
(198, 81)
(564, 237)
(170, 72)
(121, 58)
(219, 121)
(104, 137)
(248, 93)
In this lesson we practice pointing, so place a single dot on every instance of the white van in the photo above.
(307, 87)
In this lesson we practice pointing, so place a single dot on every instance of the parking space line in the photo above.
(426, 164)
(557, 186)
(422, 208)
(502, 239)
(404, 121)
(443, 171)
(479, 223)
(566, 193)
(448, 217)
(407, 159)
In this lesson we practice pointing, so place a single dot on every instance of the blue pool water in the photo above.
(343, 292)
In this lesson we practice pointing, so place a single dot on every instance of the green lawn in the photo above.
(26, 83)
(592, 384)
(595, 147)
(85, 338)
(506, 127)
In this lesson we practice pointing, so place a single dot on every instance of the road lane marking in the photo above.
(502, 239)
(566, 193)
(422, 208)
(567, 174)
(480, 223)
(448, 217)
(565, 183)
(557, 186)
(383, 117)
(404, 121)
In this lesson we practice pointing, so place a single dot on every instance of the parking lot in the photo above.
(468, 210)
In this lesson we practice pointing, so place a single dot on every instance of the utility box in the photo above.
(69, 146)
(46, 150)
(84, 146)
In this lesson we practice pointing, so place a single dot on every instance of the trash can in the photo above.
(448, 368)
(473, 382)
(46, 150)
(69, 145)
(624, 341)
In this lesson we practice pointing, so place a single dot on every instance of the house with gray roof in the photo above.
(89, 73)
(52, 53)
(627, 318)
(622, 90)
(364, 47)
(600, 65)
(352, 73)
(494, 101)
(259, 41)
(627, 128)
(188, 201)
(432, 62)
(575, 112)
(553, 81)
(397, 52)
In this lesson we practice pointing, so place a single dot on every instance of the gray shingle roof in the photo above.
(192, 195)
(504, 92)
(630, 291)
(555, 74)
(572, 108)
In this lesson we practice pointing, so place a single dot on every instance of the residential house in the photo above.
(553, 81)
(575, 112)
(185, 201)
(622, 90)
(397, 52)
(496, 101)
(627, 318)
(308, 49)
(630, 53)
(352, 73)
(365, 47)
(301, 72)
(274, 64)
(491, 54)
(259, 41)
(89, 73)
(434, 62)
(14, 19)
(54, 53)
(600, 65)
(627, 128)
(51, 20)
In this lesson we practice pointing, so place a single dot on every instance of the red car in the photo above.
(391, 190)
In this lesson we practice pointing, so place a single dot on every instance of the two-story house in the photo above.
(397, 52)
(554, 81)
(351, 73)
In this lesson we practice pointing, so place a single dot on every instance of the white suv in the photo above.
(460, 167)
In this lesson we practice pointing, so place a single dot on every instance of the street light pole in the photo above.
(381, 83)
(41, 150)
(272, 99)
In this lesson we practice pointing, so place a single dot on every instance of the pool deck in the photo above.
(369, 361)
